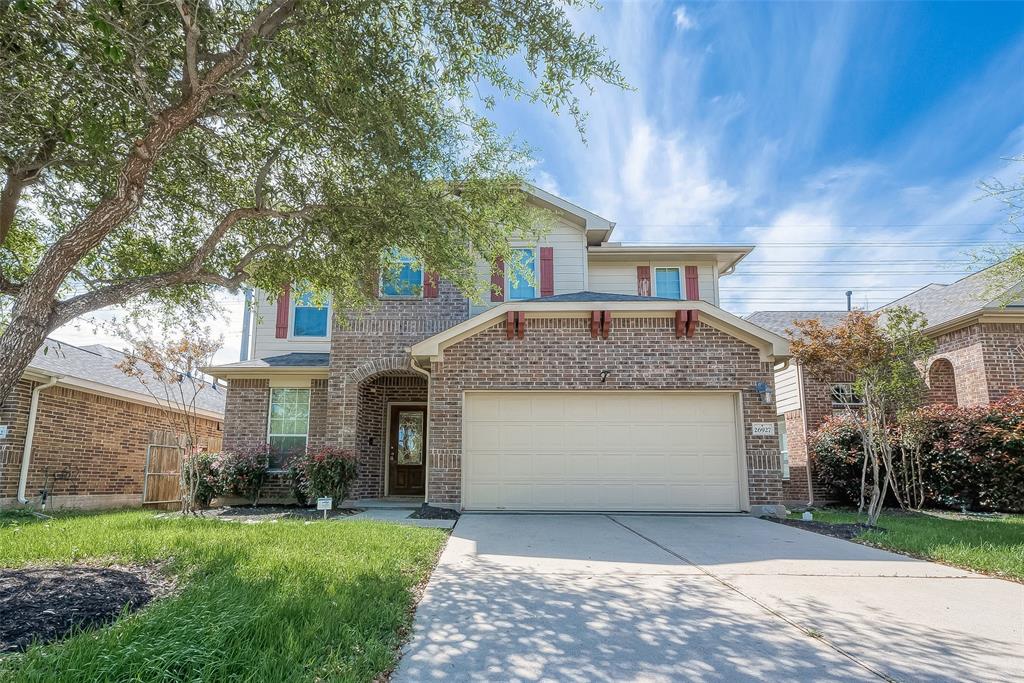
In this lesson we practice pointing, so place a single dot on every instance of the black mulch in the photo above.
(431, 512)
(48, 603)
(844, 531)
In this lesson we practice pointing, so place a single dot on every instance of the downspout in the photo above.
(426, 446)
(30, 429)
(807, 443)
(246, 325)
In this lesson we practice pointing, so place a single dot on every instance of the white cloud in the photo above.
(684, 22)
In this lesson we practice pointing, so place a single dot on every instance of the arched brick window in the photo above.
(942, 382)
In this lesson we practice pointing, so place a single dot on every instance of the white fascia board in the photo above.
(228, 372)
(726, 257)
(591, 221)
(771, 345)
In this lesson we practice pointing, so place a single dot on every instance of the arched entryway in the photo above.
(391, 434)
(942, 382)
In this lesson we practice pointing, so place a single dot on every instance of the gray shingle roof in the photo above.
(780, 321)
(288, 360)
(595, 297)
(96, 363)
(943, 303)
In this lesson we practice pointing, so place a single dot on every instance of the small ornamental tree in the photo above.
(169, 370)
(883, 356)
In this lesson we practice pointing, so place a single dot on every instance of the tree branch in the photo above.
(18, 178)
(191, 66)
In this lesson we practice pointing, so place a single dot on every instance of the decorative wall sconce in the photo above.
(604, 375)
(764, 390)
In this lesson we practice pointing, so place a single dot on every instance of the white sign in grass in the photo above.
(324, 503)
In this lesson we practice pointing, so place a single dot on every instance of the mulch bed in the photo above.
(847, 532)
(48, 603)
(268, 513)
(431, 512)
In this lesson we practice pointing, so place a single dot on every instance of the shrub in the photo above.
(326, 471)
(971, 458)
(200, 478)
(837, 458)
(242, 473)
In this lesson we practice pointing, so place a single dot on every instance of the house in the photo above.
(613, 382)
(78, 427)
(979, 358)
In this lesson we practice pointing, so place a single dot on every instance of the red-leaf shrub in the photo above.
(326, 471)
(970, 457)
(242, 473)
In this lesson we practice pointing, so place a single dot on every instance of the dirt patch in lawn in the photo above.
(267, 513)
(48, 603)
(431, 512)
(846, 532)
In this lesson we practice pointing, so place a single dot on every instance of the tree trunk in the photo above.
(18, 343)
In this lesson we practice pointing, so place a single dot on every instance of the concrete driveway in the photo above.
(725, 598)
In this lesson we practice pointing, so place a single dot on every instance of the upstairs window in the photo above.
(667, 283)
(844, 396)
(519, 288)
(288, 430)
(404, 281)
(310, 319)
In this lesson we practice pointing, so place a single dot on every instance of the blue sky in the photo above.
(783, 123)
(846, 140)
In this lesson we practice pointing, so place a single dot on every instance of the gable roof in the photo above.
(770, 345)
(975, 293)
(93, 368)
(597, 229)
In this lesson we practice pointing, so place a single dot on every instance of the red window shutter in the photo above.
(430, 285)
(547, 271)
(643, 280)
(283, 302)
(498, 280)
(692, 286)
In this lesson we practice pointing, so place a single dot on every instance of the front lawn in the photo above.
(281, 601)
(993, 545)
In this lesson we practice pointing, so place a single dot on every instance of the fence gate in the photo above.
(161, 487)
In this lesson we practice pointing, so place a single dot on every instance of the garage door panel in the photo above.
(601, 451)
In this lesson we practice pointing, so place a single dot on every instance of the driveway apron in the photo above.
(715, 598)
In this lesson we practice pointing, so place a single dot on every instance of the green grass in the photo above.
(993, 545)
(283, 601)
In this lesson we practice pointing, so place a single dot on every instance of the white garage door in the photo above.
(600, 451)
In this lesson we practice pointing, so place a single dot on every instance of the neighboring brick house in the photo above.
(611, 382)
(88, 435)
(979, 358)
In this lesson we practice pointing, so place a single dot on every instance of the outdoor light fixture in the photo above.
(764, 391)
(604, 375)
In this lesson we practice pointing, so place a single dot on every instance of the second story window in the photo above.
(843, 395)
(404, 281)
(667, 283)
(519, 287)
(309, 318)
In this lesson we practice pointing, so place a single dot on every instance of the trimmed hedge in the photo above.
(970, 457)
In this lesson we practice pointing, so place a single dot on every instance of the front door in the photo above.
(407, 440)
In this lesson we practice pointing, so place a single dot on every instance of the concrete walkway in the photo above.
(679, 598)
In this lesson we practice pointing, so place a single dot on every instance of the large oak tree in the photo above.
(156, 150)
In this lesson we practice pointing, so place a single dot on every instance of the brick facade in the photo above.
(559, 353)
(372, 425)
(90, 450)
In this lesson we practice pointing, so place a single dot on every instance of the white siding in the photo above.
(787, 390)
(569, 251)
(264, 327)
(620, 277)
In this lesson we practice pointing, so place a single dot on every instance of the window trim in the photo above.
(844, 404)
(536, 275)
(270, 405)
(291, 320)
(783, 452)
(401, 297)
(679, 273)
